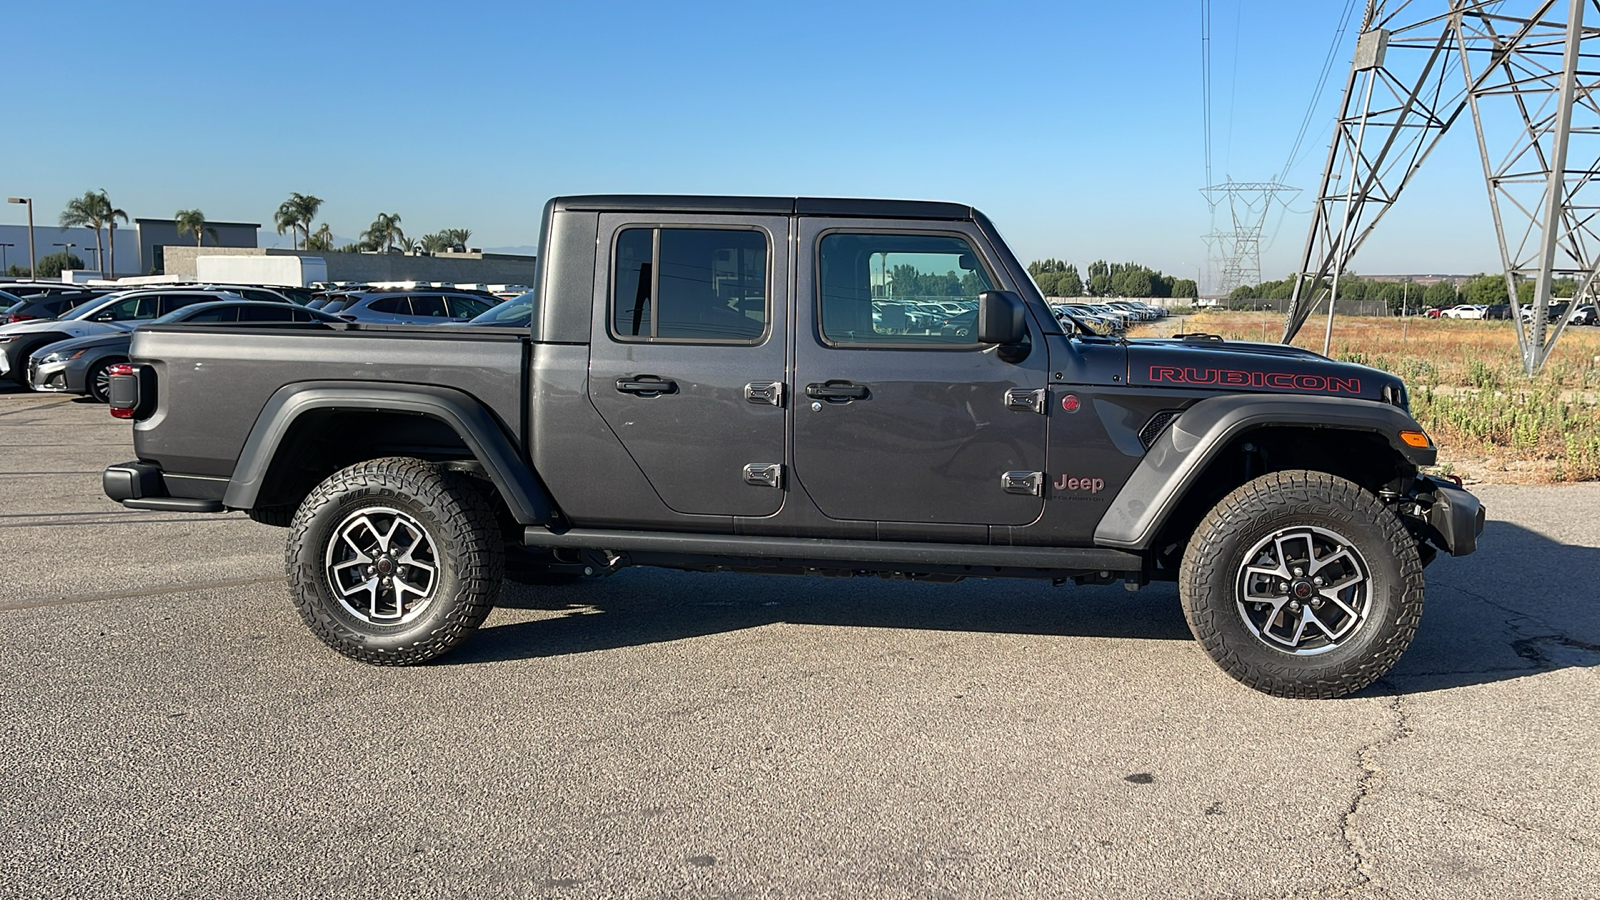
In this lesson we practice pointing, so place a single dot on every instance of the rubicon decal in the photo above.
(1283, 381)
(1092, 485)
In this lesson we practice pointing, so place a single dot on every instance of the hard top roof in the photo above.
(779, 206)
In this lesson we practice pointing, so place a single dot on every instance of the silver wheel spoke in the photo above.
(1317, 565)
(382, 566)
(1303, 589)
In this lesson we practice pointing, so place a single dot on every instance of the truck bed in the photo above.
(214, 380)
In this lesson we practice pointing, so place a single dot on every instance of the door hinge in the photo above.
(1024, 400)
(764, 474)
(768, 392)
(1030, 484)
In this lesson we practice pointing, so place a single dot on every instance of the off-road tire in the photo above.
(1214, 564)
(469, 559)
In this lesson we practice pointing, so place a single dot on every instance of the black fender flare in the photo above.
(1176, 459)
(527, 497)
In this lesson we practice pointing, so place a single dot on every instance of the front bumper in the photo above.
(1456, 517)
(139, 485)
(49, 376)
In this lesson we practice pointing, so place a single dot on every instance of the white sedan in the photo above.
(1465, 311)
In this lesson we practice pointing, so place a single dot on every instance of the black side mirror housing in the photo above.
(1002, 318)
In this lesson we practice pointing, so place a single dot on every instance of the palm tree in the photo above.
(407, 245)
(458, 237)
(383, 231)
(193, 221)
(294, 215)
(94, 210)
(322, 240)
(433, 243)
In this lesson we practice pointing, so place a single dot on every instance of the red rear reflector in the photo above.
(122, 369)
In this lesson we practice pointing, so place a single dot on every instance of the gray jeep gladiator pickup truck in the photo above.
(736, 384)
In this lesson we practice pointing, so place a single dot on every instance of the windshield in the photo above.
(514, 313)
(86, 309)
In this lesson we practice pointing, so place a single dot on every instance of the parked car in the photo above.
(122, 311)
(409, 307)
(514, 313)
(1465, 311)
(81, 365)
(1584, 315)
(43, 306)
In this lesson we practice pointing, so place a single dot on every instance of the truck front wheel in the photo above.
(394, 561)
(1302, 584)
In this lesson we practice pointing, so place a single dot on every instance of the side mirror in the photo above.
(1002, 318)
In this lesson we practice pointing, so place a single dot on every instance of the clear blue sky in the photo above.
(1075, 125)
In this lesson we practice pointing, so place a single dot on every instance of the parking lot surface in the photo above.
(169, 728)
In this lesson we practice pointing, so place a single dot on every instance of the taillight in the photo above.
(124, 392)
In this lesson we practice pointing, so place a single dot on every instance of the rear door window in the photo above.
(429, 306)
(278, 312)
(170, 302)
(466, 307)
(701, 285)
(400, 306)
(215, 314)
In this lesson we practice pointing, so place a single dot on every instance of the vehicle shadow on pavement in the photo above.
(644, 606)
(1520, 606)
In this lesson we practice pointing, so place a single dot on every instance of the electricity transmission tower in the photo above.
(1238, 249)
(1528, 72)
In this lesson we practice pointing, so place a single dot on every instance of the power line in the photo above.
(1205, 78)
(1322, 83)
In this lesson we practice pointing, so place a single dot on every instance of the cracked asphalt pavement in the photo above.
(169, 728)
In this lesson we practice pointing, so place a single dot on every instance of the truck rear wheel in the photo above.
(1302, 584)
(394, 561)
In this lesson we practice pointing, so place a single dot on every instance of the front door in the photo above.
(687, 360)
(900, 415)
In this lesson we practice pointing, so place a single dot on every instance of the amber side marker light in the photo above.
(1416, 439)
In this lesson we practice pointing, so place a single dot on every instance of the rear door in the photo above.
(903, 418)
(687, 356)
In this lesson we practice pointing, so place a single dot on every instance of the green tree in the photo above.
(193, 221)
(51, 266)
(1487, 290)
(437, 242)
(294, 215)
(1132, 282)
(1070, 284)
(457, 237)
(383, 232)
(1049, 283)
(94, 210)
(321, 240)
(1185, 287)
(1440, 294)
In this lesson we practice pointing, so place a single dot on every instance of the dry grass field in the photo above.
(1490, 421)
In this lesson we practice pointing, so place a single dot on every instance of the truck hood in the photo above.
(1268, 368)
